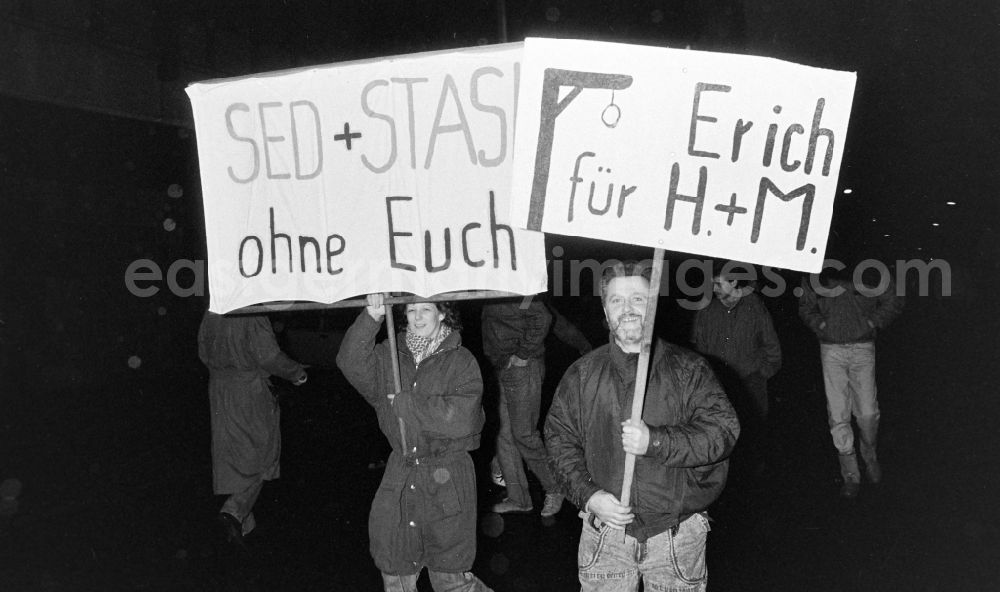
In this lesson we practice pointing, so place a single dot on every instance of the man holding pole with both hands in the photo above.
(657, 532)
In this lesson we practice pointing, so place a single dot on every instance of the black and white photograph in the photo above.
(499, 296)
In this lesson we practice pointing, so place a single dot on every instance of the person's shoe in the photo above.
(230, 529)
(851, 475)
(873, 470)
(497, 477)
(507, 506)
(850, 489)
(553, 503)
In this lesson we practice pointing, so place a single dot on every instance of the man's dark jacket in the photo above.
(692, 424)
(843, 312)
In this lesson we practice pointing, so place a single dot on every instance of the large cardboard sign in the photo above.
(723, 155)
(324, 183)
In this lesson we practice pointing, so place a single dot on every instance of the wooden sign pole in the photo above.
(642, 370)
(390, 326)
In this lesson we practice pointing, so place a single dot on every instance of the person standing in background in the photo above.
(736, 332)
(846, 317)
(514, 342)
(241, 354)
(565, 331)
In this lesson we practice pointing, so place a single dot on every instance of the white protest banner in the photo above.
(390, 175)
(716, 154)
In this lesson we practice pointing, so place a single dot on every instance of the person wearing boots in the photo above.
(846, 316)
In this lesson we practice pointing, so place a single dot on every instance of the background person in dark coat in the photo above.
(424, 512)
(241, 354)
(735, 332)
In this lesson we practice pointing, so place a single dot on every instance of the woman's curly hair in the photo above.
(451, 316)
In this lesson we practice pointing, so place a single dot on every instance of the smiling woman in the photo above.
(424, 511)
(423, 319)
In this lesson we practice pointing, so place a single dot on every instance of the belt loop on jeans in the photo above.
(640, 552)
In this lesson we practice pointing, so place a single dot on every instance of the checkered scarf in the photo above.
(421, 347)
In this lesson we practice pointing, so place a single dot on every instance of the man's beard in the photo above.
(628, 332)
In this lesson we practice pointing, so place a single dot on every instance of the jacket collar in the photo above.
(625, 364)
(735, 307)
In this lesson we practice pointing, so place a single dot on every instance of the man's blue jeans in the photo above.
(670, 561)
(518, 438)
(849, 377)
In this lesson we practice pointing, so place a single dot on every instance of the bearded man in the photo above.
(682, 443)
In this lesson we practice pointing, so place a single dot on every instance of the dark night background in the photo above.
(103, 406)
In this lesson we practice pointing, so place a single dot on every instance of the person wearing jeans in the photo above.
(671, 560)
(568, 333)
(514, 341)
(681, 446)
(846, 317)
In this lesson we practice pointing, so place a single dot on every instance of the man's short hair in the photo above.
(619, 269)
